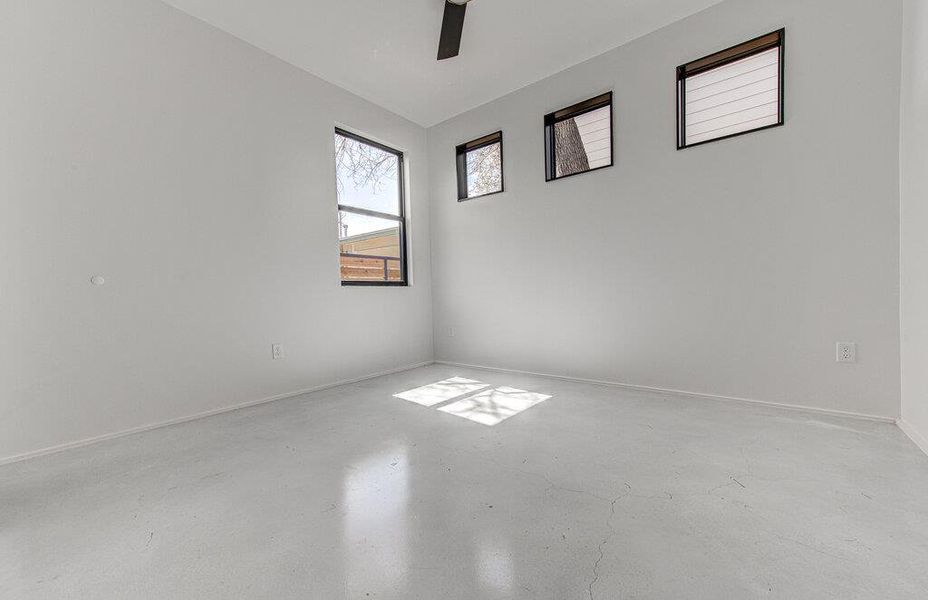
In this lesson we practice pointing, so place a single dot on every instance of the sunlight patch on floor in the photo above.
(488, 407)
(441, 391)
(493, 406)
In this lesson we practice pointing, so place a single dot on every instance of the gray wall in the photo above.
(731, 268)
(195, 173)
(915, 222)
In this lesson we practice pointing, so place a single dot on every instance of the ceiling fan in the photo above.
(452, 26)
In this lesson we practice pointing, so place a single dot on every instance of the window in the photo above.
(731, 92)
(371, 218)
(480, 167)
(579, 138)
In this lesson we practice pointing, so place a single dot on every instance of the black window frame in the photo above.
(762, 43)
(401, 218)
(574, 110)
(461, 152)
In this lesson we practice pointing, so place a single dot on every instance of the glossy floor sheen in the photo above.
(595, 492)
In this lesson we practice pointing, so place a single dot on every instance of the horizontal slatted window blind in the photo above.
(596, 134)
(738, 93)
(578, 139)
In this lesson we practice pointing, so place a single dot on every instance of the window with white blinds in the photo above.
(731, 92)
(595, 130)
(578, 138)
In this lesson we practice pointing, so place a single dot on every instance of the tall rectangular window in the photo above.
(371, 212)
(480, 167)
(579, 138)
(731, 92)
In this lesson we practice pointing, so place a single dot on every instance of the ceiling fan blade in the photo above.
(452, 26)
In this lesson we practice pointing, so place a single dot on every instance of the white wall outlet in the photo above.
(846, 352)
(276, 351)
(451, 332)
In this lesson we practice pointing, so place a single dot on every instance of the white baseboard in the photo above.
(914, 435)
(917, 438)
(645, 388)
(209, 413)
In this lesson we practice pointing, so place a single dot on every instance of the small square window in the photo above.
(731, 92)
(579, 138)
(480, 167)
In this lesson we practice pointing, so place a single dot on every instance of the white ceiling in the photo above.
(384, 50)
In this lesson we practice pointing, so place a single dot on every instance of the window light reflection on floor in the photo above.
(494, 406)
(487, 407)
(441, 391)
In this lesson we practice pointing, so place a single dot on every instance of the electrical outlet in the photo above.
(846, 352)
(451, 332)
(276, 351)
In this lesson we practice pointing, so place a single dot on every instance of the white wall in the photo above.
(731, 268)
(914, 160)
(195, 173)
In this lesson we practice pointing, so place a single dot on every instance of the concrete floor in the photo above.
(594, 493)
